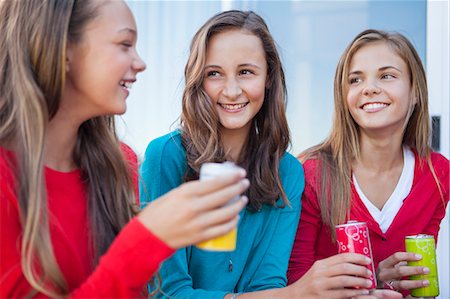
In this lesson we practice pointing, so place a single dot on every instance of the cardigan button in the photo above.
(383, 239)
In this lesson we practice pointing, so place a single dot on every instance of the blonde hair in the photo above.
(269, 133)
(32, 61)
(336, 154)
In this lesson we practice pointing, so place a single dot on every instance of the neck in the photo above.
(380, 154)
(233, 141)
(60, 141)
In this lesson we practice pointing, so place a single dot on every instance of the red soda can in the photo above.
(353, 237)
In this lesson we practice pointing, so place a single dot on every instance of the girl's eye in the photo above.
(387, 76)
(213, 74)
(245, 72)
(354, 80)
(127, 44)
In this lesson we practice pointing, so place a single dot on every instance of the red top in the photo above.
(123, 271)
(421, 212)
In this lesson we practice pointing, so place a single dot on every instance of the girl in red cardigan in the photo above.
(377, 165)
(68, 219)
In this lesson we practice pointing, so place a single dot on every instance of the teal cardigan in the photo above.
(264, 240)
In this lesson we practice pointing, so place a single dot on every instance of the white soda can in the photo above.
(210, 171)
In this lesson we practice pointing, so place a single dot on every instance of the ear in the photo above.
(69, 56)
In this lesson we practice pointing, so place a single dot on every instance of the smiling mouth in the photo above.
(126, 84)
(233, 107)
(372, 107)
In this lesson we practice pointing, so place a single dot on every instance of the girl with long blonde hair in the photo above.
(69, 218)
(377, 165)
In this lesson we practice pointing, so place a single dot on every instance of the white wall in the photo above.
(438, 83)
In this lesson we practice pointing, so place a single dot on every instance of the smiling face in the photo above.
(102, 67)
(235, 78)
(379, 91)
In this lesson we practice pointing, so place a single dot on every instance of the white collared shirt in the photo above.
(395, 201)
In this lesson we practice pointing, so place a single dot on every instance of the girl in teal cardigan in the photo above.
(233, 109)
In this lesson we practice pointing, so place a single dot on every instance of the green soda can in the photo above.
(425, 246)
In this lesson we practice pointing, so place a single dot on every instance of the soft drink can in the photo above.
(226, 242)
(425, 246)
(353, 237)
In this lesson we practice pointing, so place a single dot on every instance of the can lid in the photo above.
(215, 169)
(351, 222)
(420, 236)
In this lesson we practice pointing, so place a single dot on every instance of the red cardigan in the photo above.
(421, 212)
(123, 271)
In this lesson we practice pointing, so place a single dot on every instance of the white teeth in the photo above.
(372, 106)
(126, 84)
(233, 106)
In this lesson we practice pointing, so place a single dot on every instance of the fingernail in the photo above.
(246, 182)
(369, 273)
(425, 283)
(368, 260)
(426, 270)
(365, 292)
(418, 256)
(368, 283)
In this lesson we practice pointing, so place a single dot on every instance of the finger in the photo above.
(345, 293)
(354, 258)
(202, 187)
(347, 281)
(349, 269)
(396, 273)
(223, 214)
(398, 257)
(218, 230)
(381, 294)
(220, 198)
(410, 284)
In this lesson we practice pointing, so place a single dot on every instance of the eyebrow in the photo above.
(240, 65)
(380, 69)
(128, 30)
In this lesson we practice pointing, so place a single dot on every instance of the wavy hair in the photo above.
(342, 147)
(269, 133)
(33, 45)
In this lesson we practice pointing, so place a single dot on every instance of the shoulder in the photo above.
(168, 144)
(289, 165)
(292, 178)
(7, 164)
(128, 153)
(440, 162)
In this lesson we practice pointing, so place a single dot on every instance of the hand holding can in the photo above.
(354, 237)
(228, 241)
(425, 246)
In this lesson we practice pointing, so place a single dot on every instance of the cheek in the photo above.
(212, 89)
(256, 91)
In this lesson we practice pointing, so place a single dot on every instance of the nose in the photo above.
(138, 64)
(232, 88)
(371, 88)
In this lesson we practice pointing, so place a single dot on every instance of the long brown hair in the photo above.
(269, 133)
(342, 147)
(33, 45)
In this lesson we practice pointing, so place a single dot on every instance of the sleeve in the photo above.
(127, 266)
(123, 271)
(271, 272)
(176, 282)
(442, 169)
(132, 160)
(303, 252)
